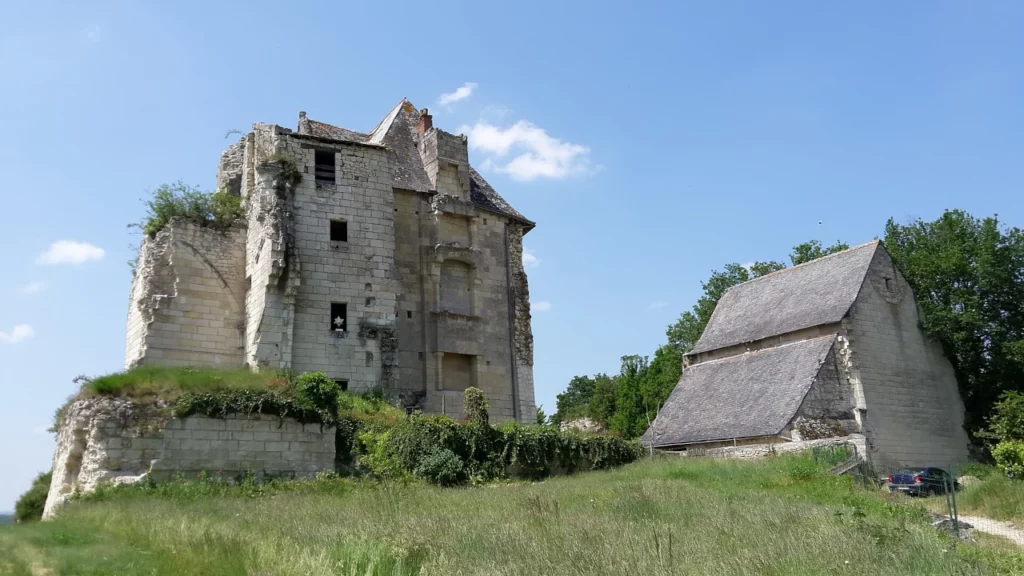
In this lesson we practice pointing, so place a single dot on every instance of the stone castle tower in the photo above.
(382, 259)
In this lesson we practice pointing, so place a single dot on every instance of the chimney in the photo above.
(426, 122)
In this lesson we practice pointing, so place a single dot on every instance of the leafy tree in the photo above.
(812, 250)
(179, 200)
(603, 402)
(542, 418)
(968, 277)
(574, 401)
(629, 397)
(29, 506)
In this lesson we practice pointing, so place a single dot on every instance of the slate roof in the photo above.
(397, 131)
(811, 294)
(748, 395)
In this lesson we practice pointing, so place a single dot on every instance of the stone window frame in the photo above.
(340, 230)
(324, 172)
(338, 309)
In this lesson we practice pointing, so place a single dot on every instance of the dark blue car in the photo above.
(922, 481)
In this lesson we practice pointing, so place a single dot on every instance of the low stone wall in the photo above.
(113, 440)
(762, 450)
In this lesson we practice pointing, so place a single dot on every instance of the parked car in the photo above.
(921, 481)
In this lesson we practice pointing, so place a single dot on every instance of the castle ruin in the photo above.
(382, 259)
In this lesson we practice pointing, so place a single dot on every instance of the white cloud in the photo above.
(70, 252)
(658, 304)
(530, 259)
(540, 306)
(461, 93)
(19, 333)
(33, 287)
(536, 154)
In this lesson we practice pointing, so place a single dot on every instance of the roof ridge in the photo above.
(831, 335)
(814, 261)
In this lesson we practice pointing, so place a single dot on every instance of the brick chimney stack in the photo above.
(426, 122)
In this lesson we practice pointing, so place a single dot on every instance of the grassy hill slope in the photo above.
(667, 516)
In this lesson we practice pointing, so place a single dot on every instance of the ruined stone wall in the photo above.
(113, 440)
(359, 273)
(272, 264)
(828, 408)
(914, 413)
(763, 447)
(187, 298)
(523, 332)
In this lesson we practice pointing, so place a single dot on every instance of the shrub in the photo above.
(474, 407)
(178, 200)
(485, 452)
(442, 467)
(1009, 457)
(1007, 419)
(30, 505)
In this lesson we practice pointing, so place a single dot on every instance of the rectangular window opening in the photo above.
(339, 317)
(343, 384)
(339, 231)
(323, 166)
(408, 313)
(887, 287)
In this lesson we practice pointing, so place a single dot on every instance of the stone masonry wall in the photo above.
(828, 408)
(523, 332)
(359, 273)
(113, 440)
(914, 413)
(187, 298)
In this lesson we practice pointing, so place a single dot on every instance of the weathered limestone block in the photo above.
(117, 441)
(187, 303)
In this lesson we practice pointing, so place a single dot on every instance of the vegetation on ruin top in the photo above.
(217, 210)
(184, 391)
(783, 515)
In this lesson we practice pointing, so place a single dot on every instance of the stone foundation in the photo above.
(116, 441)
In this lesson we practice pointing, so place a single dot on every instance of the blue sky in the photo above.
(651, 143)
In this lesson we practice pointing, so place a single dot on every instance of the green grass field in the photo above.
(666, 516)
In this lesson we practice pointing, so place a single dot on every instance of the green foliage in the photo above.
(1007, 419)
(442, 467)
(172, 201)
(967, 276)
(29, 506)
(441, 450)
(542, 418)
(310, 398)
(474, 407)
(1009, 457)
(813, 250)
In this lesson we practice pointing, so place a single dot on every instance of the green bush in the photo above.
(486, 452)
(474, 407)
(1009, 457)
(30, 505)
(178, 200)
(1007, 419)
(442, 467)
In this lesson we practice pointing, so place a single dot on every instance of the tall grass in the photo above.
(666, 516)
(169, 383)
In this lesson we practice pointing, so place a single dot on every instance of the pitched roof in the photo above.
(742, 396)
(397, 131)
(811, 294)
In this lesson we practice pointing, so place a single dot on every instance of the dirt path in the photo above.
(996, 528)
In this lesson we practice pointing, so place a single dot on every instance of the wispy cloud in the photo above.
(70, 252)
(534, 153)
(658, 304)
(540, 306)
(530, 259)
(33, 287)
(19, 333)
(461, 93)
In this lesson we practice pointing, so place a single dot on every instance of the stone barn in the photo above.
(829, 348)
